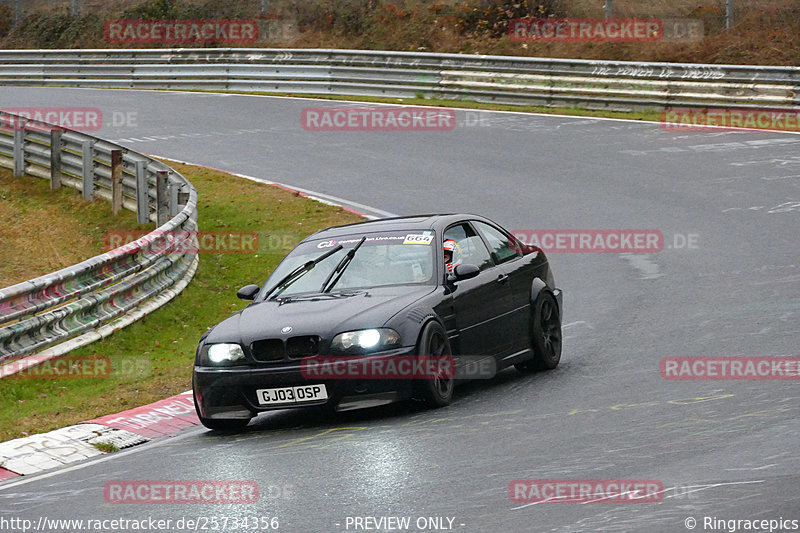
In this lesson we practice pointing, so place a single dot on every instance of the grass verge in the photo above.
(43, 231)
(160, 346)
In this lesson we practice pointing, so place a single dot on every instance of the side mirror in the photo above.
(248, 292)
(463, 272)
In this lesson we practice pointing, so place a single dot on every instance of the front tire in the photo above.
(433, 342)
(545, 335)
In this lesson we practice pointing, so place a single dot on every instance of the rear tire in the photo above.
(545, 335)
(433, 341)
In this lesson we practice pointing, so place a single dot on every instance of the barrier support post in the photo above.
(55, 158)
(162, 199)
(87, 147)
(142, 200)
(19, 147)
(116, 181)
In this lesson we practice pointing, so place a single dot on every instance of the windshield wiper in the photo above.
(316, 296)
(339, 270)
(298, 272)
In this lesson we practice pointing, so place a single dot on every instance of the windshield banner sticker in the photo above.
(418, 239)
(377, 240)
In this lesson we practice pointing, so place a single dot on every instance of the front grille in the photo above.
(302, 346)
(272, 350)
(268, 350)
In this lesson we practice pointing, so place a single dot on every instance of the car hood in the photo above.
(321, 314)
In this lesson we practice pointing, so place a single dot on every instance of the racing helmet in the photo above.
(449, 247)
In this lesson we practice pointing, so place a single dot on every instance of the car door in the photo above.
(479, 304)
(508, 258)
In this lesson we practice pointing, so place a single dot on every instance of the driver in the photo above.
(449, 247)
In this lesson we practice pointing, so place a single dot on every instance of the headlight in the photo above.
(223, 354)
(365, 340)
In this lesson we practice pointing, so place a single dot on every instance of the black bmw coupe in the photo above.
(355, 314)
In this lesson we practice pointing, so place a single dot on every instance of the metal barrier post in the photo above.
(17, 12)
(142, 201)
(116, 181)
(162, 201)
(19, 147)
(55, 158)
(183, 197)
(729, 14)
(87, 147)
(174, 189)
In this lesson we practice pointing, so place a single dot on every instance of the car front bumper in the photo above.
(230, 392)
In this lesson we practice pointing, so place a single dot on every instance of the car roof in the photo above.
(411, 223)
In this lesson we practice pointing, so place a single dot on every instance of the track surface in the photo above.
(724, 449)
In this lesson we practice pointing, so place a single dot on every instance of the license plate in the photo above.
(291, 395)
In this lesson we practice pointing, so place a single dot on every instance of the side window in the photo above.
(456, 233)
(498, 241)
(470, 249)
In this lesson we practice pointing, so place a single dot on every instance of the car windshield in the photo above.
(386, 258)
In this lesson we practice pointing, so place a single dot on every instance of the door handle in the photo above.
(502, 278)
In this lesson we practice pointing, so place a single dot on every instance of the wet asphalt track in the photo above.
(723, 449)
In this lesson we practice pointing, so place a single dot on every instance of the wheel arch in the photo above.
(433, 317)
(411, 322)
(538, 286)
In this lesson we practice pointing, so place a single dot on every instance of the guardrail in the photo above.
(83, 302)
(511, 80)
(76, 300)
